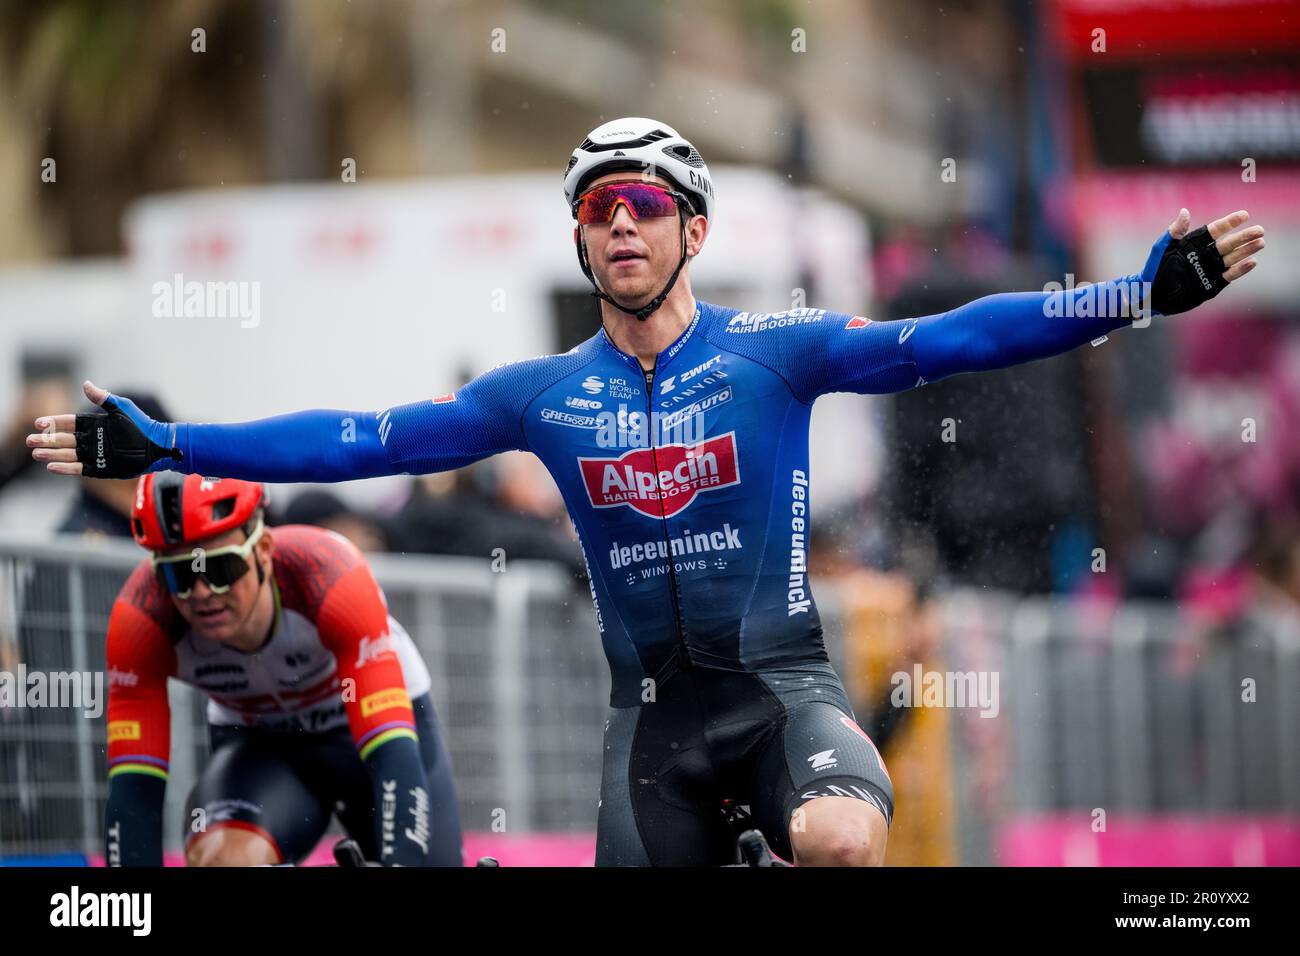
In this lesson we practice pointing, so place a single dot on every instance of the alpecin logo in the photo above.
(659, 482)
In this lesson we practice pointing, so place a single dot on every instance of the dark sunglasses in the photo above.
(643, 201)
(222, 567)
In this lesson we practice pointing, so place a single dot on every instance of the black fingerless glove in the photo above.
(1191, 272)
(111, 445)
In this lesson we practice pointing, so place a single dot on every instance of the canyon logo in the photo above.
(659, 482)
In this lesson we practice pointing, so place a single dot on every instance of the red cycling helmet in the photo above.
(171, 509)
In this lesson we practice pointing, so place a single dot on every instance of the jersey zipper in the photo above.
(682, 645)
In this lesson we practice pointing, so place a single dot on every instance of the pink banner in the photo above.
(1151, 841)
(538, 849)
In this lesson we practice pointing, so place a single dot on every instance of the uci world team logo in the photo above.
(659, 482)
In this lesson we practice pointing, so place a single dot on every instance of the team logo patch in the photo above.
(384, 700)
(660, 482)
(857, 322)
(569, 418)
(123, 730)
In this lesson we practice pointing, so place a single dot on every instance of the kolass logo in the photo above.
(858, 322)
(682, 471)
(1195, 260)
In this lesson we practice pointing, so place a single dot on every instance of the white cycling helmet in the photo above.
(642, 145)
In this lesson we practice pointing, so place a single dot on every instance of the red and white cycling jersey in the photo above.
(335, 656)
(292, 680)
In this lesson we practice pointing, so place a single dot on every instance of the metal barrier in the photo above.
(519, 682)
(1132, 710)
(1138, 710)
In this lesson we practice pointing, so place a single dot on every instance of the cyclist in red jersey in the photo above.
(318, 701)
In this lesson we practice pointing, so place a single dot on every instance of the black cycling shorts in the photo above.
(285, 784)
(768, 740)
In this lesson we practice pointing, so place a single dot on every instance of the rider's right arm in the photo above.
(482, 418)
(140, 659)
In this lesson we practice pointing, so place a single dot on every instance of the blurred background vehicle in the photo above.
(373, 194)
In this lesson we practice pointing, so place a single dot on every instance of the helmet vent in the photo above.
(687, 154)
(223, 508)
(169, 508)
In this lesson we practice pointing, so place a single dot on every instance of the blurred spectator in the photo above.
(28, 499)
(988, 468)
(1275, 562)
(890, 629)
(326, 510)
(103, 507)
(510, 505)
(889, 626)
(1228, 437)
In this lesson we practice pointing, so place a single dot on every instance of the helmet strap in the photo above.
(653, 305)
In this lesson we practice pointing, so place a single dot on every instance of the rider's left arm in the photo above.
(1184, 269)
(353, 624)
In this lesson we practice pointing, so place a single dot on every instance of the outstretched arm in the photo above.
(320, 445)
(997, 331)
(841, 353)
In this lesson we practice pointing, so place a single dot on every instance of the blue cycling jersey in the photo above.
(688, 484)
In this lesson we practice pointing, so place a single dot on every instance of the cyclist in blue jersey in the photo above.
(678, 435)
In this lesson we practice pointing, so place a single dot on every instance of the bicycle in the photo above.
(752, 849)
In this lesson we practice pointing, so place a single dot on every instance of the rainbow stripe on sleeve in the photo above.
(382, 734)
(138, 763)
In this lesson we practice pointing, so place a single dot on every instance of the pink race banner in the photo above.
(537, 849)
(1164, 841)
